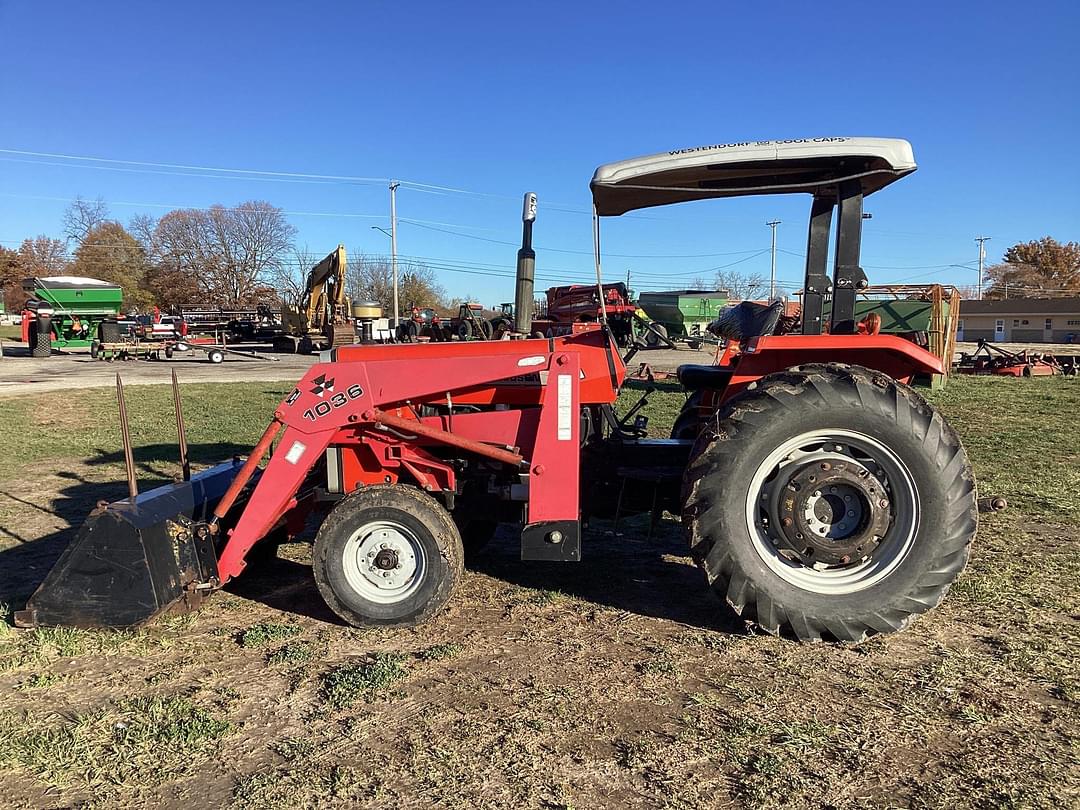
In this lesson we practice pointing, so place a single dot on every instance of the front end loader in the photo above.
(822, 496)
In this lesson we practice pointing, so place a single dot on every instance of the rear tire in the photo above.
(750, 487)
(108, 332)
(387, 555)
(41, 337)
(655, 335)
(688, 423)
(215, 356)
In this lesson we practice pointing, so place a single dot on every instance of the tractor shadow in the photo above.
(627, 570)
(33, 552)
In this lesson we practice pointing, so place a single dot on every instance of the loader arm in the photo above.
(341, 403)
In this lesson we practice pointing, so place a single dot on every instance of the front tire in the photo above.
(387, 555)
(830, 501)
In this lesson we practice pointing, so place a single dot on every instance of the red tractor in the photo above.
(821, 495)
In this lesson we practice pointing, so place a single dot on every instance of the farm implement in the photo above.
(989, 358)
(821, 496)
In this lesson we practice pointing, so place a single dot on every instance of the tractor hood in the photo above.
(800, 165)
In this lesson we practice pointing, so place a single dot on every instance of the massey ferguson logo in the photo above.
(322, 385)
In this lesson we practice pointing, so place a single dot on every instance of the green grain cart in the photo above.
(683, 313)
(65, 311)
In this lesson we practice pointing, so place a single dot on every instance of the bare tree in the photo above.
(741, 286)
(371, 279)
(968, 291)
(43, 256)
(82, 216)
(112, 254)
(290, 278)
(142, 227)
(231, 253)
(11, 276)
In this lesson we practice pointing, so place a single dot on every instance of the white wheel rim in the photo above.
(833, 444)
(384, 562)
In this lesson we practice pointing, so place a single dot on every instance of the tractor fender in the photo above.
(898, 358)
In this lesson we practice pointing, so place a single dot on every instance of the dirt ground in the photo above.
(620, 681)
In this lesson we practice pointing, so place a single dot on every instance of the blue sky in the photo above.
(502, 98)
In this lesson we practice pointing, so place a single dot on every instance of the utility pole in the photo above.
(982, 258)
(772, 274)
(393, 249)
(627, 280)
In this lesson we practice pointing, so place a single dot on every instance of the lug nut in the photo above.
(786, 522)
(826, 466)
(817, 493)
(851, 513)
(884, 504)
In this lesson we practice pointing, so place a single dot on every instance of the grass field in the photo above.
(615, 682)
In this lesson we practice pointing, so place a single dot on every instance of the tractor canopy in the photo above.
(814, 166)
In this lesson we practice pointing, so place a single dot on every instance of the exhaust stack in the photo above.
(526, 268)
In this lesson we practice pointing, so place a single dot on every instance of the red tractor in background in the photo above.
(580, 303)
(821, 495)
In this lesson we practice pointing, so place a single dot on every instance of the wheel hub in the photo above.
(831, 512)
(383, 562)
(386, 560)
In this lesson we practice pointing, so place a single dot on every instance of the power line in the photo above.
(195, 168)
(331, 214)
(582, 252)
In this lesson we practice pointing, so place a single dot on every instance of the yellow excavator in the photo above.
(323, 318)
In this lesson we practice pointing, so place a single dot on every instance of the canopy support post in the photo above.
(848, 276)
(816, 283)
(596, 263)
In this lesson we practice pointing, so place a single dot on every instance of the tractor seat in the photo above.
(747, 319)
(695, 377)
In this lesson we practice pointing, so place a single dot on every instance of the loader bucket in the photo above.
(134, 560)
